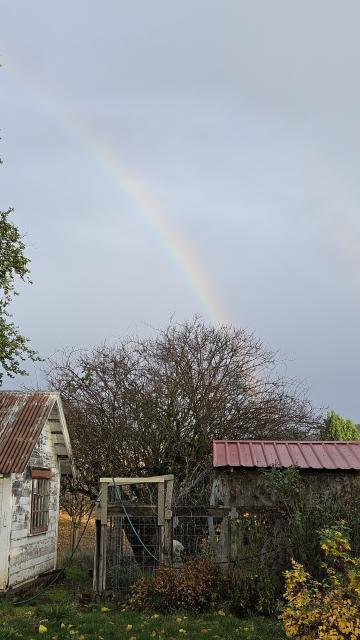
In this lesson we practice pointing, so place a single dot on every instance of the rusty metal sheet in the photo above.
(301, 454)
(22, 417)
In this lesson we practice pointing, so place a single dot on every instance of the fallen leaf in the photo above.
(104, 609)
(129, 627)
(42, 628)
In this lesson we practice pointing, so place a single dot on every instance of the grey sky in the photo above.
(242, 120)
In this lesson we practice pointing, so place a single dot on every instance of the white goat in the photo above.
(178, 548)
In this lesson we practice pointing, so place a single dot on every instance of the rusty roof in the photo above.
(280, 453)
(22, 417)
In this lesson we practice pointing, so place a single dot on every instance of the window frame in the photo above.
(40, 501)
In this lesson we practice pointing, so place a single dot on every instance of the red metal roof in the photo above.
(281, 453)
(22, 417)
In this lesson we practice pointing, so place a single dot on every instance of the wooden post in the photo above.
(96, 586)
(97, 552)
(161, 520)
(99, 581)
(168, 528)
(103, 506)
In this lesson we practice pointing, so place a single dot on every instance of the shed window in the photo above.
(40, 500)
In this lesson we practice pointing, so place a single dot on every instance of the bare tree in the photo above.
(153, 406)
(76, 505)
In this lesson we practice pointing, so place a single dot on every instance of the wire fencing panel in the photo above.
(133, 541)
(197, 535)
(130, 556)
(133, 546)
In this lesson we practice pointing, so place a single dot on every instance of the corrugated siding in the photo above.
(304, 455)
(22, 417)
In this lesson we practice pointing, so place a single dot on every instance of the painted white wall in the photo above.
(33, 554)
(5, 525)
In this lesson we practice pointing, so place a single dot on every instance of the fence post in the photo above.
(161, 520)
(97, 551)
(233, 535)
(168, 528)
(99, 581)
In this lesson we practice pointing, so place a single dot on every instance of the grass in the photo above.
(66, 613)
(67, 622)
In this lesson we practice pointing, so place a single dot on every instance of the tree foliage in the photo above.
(337, 428)
(14, 347)
(153, 406)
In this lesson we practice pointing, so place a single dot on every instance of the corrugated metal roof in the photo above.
(22, 417)
(281, 453)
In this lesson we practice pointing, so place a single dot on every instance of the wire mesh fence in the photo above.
(129, 555)
(197, 535)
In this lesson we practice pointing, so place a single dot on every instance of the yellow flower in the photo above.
(42, 628)
(104, 609)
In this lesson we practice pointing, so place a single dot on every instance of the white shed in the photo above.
(35, 451)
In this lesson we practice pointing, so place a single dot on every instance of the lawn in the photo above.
(62, 614)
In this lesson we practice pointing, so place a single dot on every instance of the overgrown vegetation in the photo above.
(253, 584)
(190, 587)
(329, 609)
(264, 543)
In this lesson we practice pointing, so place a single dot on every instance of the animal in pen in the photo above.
(198, 535)
(178, 548)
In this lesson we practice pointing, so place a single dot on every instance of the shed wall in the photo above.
(5, 522)
(245, 487)
(33, 554)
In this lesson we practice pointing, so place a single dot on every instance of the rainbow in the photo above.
(172, 241)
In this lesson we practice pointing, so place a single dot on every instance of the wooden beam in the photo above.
(168, 498)
(161, 504)
(103, 501)
(142, 480)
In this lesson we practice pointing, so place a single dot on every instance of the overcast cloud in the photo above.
(242, 120)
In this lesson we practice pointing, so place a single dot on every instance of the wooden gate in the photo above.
(132, 537)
